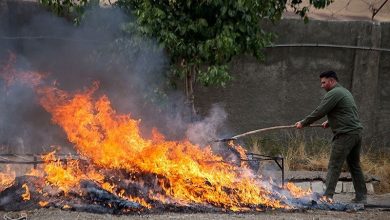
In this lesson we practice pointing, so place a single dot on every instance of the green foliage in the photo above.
(203, 36)
(302, 11)
(214, 75)
(71, 9)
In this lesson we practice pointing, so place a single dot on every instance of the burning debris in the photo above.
(122, 172)
(7, 178)
(90, 197)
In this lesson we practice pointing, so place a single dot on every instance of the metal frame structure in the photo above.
(32, 159)
(259, 157)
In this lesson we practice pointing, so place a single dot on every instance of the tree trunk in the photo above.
(190, 78)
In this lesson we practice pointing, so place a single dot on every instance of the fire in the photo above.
(43, 203)
(35, 172)
(26, 195)
(296, 191)
(116, 155)
(7, 178)
(66, 177)
(113, 141)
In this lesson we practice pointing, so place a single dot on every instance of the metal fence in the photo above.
(33, 159)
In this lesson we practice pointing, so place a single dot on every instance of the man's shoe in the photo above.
(360, 200)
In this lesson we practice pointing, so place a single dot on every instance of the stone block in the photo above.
(348, 187)
(303, 185)
(370, 188)
(317, 186)
(339, 187)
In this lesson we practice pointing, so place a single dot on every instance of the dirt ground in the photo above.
(368, 213)
(57, 214)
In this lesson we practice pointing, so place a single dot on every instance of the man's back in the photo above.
(343, 117)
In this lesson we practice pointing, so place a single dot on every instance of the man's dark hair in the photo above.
(329, 74)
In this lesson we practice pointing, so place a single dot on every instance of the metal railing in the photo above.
(32, 159)
(252, 157)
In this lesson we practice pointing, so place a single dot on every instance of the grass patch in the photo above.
(312, 154)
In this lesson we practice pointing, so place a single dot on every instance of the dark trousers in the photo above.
(346, 147)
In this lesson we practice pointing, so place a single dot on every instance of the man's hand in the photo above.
(325, 124)
(298, 125)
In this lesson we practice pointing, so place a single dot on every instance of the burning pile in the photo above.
(121, 171)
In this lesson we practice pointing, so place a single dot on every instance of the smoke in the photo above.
(202, 132)
(130, 70)
(127, 68)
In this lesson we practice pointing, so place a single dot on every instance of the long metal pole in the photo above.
(270, 46)
(330, 46)
(269, 129)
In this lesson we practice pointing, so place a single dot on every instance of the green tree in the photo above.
(71, 9)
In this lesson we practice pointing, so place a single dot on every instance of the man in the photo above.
(340, 108)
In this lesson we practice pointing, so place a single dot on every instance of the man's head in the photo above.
(328, 80)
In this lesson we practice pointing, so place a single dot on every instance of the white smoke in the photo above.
(202, 132)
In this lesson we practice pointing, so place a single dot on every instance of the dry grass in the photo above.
(377, 163)
(313, 154)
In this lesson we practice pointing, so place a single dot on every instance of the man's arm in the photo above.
(325, 124)
(327, 104)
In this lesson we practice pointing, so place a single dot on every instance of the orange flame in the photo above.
(7, 178)
(297, 191)
(35, 172)
(185, 173)
(66, 177)
(113, 141)
(43, 203)
(26, 195)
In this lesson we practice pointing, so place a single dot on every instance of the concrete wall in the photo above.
(285, 87)
(383, 111)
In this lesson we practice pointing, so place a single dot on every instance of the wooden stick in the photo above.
(262, 130)
(269, 129)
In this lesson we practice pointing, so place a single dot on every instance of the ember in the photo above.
(43, 203)
(26, 195)
(123, 172)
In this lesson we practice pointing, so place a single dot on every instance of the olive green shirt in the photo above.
(340, 108)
